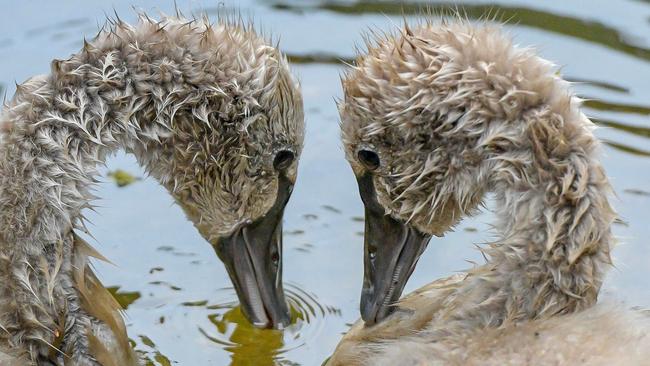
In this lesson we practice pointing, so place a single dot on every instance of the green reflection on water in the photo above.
(318, 58)
(602, 105)
(636, 130)
(151, 356)
(249, 346)
(122, 178)
(124, 298)
(627, 149)
(599, 84)
(146, 355)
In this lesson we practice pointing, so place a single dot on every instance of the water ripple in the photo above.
(249, 345)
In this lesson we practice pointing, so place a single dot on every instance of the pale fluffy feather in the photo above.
(599, 336)
(454, 111)
(202, 106)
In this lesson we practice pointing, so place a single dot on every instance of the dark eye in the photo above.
(368, 159)
(283, 159)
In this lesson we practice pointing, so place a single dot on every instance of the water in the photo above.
(181, 309)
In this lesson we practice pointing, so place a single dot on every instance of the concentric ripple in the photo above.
(249, 345)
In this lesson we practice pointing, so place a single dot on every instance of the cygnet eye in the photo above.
(283, 160)
(369, 159)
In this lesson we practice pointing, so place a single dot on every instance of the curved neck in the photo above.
(54, 133)
(152, 90)
(553, 222)
(57, 129)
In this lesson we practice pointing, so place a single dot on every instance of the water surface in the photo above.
(180, 306)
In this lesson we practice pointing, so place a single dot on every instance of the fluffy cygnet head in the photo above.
(230, 153)
(432, 118)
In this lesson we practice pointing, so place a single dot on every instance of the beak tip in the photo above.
(280, 320)
(368, 316)
(369, 322)
(261, 325)
(372, 316)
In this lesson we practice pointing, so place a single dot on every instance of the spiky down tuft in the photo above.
(203, 107)
(454, 110)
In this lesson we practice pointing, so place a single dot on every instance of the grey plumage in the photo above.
(454, 111)
(202, 106)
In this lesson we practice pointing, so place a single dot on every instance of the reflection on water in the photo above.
(319, 58)
(150, 355)
(603, 105)
(124, 298)
(145, 349)
(122, 178)
(638, 192)
(626, 148)
(599, 84)
(165, 284)
(636, 130)
(587, 30)
(249, 345)
(228, 328)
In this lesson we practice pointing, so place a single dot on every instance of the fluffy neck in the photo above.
(553, 221)
(128, 89)
(56, 131)
(146, 89)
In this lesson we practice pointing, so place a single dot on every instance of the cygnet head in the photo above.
(424, 114)
(230, 158)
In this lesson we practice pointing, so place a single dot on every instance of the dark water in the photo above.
(181, 309)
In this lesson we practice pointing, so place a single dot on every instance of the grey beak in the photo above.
(252, 255)
(391, 251)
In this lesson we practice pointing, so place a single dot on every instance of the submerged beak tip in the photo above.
(261, 325)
